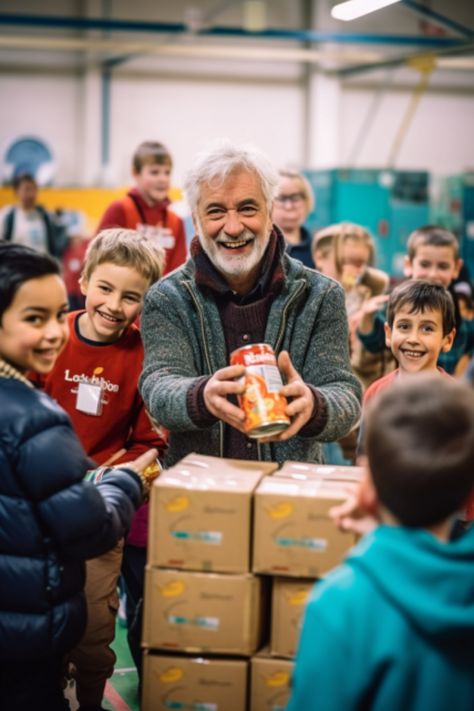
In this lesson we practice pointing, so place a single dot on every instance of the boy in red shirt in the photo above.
(145, 208)
(95, 380)
(420, 325)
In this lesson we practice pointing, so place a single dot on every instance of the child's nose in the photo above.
(54, 330)
(114, 302)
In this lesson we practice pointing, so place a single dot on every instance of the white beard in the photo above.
(224, 261)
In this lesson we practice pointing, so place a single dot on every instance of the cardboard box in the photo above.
(203, 612)
(293, 534)
(177, 682)
(289, 597)
(201, 514)
(270, 683)
(307, 470)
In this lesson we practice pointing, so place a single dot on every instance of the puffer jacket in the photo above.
(51, 521)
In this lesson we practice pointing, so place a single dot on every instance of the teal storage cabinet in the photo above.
(454, 209)
(390, 204)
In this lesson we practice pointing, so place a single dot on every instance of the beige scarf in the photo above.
(8, 371)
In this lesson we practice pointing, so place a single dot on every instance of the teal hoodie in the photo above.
(392, 629)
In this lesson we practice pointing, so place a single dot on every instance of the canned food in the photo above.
(261, 401)
(152, 471)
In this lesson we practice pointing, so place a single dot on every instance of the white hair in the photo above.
(221, 158)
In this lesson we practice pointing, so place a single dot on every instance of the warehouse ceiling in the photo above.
(240, 36)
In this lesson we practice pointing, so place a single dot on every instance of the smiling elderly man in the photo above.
(238, 288)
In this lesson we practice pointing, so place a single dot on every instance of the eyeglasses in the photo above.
(292, 199)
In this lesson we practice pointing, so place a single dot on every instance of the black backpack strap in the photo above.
(55, 234)
(8, 225)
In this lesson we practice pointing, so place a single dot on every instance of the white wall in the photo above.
(438, 138)
(187, 112)
(185, 115)
(45, 106)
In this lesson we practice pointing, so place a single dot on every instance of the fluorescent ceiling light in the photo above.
(352, 9)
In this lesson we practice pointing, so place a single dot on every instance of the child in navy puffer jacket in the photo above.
(51, 519)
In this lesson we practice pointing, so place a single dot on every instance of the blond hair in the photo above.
(335, 236)
(125, 248)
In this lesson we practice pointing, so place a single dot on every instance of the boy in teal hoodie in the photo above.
(393, 627)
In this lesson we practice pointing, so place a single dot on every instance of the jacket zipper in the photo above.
(284, 314)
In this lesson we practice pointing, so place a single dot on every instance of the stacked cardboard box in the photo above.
(270, 685)
(327, 472)
(295, 542)
(221, 532)
(294, 534)
(185, 682)
(200, 594)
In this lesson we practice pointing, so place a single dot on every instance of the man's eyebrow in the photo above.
(244, 201)
(213, 204)
(248, 201)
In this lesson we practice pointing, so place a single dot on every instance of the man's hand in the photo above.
(216, 391)
(300, 396)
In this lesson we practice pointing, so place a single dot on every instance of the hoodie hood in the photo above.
(429, 581)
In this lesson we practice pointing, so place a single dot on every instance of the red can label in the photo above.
(262, 403)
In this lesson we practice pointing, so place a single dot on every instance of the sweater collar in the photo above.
(272, 277)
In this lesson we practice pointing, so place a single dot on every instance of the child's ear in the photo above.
(407, 267)
(83, 286)
(459, 263)
(388, 335)
(367, 494)
(448, 341)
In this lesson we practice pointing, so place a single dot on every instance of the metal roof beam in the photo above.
(79, 23)
(437, 19)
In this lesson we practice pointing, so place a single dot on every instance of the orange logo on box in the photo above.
(279, 678)
(281, 510)
(172, 589)
(177, 504)
(171, 675)
(298, 598)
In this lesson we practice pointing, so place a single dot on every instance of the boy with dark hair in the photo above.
(51, 520)
(145, 208)
(95, 380)
(432, 254)
(420, 325)
(393, 627)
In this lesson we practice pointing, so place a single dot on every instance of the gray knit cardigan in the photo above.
(184, 340)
